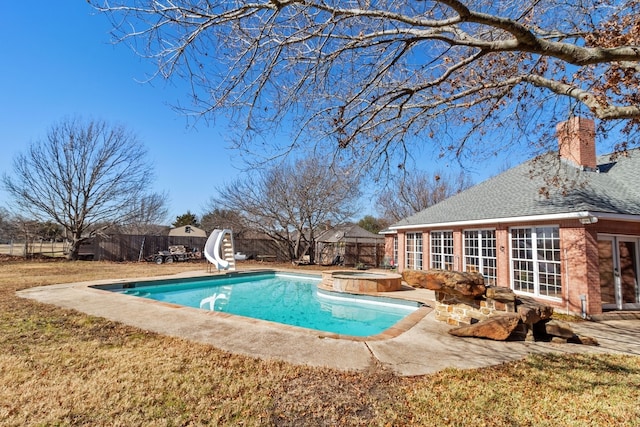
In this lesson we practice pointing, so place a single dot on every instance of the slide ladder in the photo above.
(219, 250)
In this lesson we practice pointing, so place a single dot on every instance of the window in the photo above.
(395, 250)
(480, 253)
(442, 250)
(535, 261)
(414, 251)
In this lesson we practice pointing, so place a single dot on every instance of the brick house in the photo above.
(573, 246)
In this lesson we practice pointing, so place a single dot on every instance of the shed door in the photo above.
(618, 264)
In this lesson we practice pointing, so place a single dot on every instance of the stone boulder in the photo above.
(463, 297)
(497, 328)
(501, 294)
(532, 311)
(451, 282)
(584, 340)
(557, 331)
(509, 326)
(557, 328)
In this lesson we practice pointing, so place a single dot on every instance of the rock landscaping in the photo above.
(491, 312)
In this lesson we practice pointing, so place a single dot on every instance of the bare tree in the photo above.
(28, 229)
(414, 192)
(373, 224)
(146, 214)
(291, 202)
(9, 227)
(224, 218)
(85, 176)
(369, 79)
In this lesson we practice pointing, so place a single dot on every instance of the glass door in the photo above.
(628, 267)
(607, 273)
(618, 264)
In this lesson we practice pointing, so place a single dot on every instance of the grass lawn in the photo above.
(61, 367)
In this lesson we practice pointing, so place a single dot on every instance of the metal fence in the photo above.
(31, 248)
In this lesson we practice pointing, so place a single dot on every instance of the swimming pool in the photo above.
(286, 298)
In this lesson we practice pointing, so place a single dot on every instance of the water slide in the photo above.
(219, 250)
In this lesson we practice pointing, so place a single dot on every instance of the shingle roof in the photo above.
(187, 230)
(613, 189)
(348, 232)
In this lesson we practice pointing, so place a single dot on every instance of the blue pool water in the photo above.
(283, 298)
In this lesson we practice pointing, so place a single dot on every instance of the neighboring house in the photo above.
(349, 244)
(187, 231)
(192, 237)
(574, 246)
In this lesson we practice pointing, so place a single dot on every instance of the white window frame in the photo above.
(441, 250)
(395, 250)
(540, 266)
(413, 250)
(486, 258)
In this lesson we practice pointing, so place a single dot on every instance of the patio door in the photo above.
(618, 265)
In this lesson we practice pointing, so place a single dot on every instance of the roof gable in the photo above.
(187, 230)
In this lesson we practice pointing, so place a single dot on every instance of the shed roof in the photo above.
(349, 233)
(188, 230)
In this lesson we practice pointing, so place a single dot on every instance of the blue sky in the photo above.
(58, 61)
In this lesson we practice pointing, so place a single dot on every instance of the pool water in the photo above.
(283, 298)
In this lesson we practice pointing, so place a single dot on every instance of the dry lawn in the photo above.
(61, 367)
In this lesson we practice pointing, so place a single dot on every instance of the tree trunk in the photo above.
(74, 249)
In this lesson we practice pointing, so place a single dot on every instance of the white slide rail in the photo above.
(218, 249)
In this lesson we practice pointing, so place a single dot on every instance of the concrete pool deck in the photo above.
(417, 347)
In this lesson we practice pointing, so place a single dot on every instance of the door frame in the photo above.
(615, 240)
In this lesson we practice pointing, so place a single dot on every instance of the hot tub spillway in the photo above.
(360, 282)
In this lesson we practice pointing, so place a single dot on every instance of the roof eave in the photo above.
(527, 218)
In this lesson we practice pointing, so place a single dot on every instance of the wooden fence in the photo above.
(132, 247)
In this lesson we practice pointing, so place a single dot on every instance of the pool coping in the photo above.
(421, 346)
(400, 327)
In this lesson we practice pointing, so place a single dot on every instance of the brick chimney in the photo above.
(577, 142)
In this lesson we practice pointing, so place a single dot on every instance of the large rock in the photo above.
(584, 340)
(532, 311)
(557, 328)
(450, 282)
(497, 328)
(500, 293)
(559, 331)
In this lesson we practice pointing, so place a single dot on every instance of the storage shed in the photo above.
(349, 244)
(187, 231)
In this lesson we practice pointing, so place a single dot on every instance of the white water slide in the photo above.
(219, 250)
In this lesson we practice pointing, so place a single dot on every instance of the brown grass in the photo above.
(61, 367)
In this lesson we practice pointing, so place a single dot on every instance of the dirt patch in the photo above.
(329, 397)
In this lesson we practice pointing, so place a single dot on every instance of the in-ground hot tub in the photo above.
(359, 282)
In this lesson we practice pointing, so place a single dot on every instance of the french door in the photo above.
(618, 265)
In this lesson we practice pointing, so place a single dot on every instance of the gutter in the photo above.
(585, 217)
